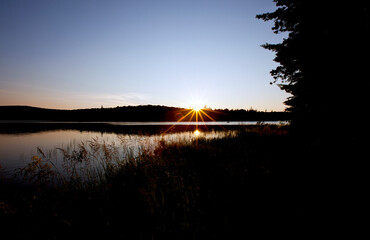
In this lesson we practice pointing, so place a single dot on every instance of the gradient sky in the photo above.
(81, 54)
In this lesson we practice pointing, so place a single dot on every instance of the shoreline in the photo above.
(112, 127)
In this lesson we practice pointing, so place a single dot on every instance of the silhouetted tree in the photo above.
(323, 63)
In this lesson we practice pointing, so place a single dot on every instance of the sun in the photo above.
(198, 113)
(197, 106)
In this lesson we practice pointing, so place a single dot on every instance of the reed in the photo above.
(178, 189)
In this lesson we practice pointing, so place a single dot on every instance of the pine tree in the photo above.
(323, 62)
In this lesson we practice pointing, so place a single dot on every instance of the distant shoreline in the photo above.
(24, 127)
(142, 123)
(142, 113)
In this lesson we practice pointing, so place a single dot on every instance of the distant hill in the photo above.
(142, 113)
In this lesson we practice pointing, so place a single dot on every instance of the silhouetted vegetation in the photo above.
(323, 62)
(147, 113)
(203, 189)
(265, 180)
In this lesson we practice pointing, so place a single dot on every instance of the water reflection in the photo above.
(17, 150)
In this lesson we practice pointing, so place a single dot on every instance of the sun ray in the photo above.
(192, 115)
(199, 113)
(210, 117)
(177, 122)
(196, 118)
(183, 117)
(207, 115)
(203, 120)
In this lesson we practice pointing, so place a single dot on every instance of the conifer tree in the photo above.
(324, 61)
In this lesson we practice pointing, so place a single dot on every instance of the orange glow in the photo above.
(199, 114)
(197, 105)
(197, 108)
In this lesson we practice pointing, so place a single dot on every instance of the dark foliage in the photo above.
(147, 113)
(324, 64)
(218, 189)
(324, 61)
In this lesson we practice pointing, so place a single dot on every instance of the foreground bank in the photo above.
(243, 184)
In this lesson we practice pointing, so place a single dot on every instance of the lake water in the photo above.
(20, 141)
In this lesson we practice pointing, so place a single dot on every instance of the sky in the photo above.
(90, 53)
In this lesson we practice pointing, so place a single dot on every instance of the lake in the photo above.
(20, 141)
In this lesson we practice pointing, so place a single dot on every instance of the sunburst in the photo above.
(197, 107)
(198, 114)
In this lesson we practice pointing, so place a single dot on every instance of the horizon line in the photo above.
(140, 105)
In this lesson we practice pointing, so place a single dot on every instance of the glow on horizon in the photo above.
(197, 108)
(83, 54)
(197, 103)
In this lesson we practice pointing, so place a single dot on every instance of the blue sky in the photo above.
(82, 54)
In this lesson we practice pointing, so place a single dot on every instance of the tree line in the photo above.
(143, 113)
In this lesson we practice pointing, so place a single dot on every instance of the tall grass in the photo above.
(187, 188)
(90, 162)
